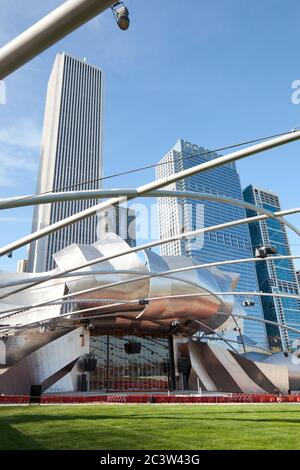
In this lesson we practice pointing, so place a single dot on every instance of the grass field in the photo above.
(147, 427)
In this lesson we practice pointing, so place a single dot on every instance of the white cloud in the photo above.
(22, 133)
(11, 175)
(5, 180)
(8, 220)
(19, 151)
(17, 162)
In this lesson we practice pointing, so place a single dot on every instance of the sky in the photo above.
(212, 72)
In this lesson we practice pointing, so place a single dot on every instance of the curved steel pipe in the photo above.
(153, 244)
(146, 188)
(109, 315)
(13, 312)
(237, 293)
(50, 29)
(23, 201)
(178, 270)
(269, 322)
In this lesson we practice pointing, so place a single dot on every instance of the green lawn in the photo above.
(113, 427)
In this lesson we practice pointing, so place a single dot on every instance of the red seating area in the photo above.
(150, 398)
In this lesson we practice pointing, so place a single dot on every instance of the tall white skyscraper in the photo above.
(71, 154)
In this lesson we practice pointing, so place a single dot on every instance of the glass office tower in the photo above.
(274, 276)
(176, 215)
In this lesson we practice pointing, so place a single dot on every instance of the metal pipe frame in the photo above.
(67, 316)
(150, 245)
(236, 293)
(179, 296)
(122, 282)
(12, 312)
(207, 338)
(220, 336)
(144, 189)
(165, 274)
(22, 201)
(177, 270)
(46, 32)
(116, 302)
(163, 297)
(268, 322)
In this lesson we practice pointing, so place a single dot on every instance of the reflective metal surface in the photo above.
(134, 300)
(158, 315)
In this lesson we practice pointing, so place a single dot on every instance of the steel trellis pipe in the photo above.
(175, 296)
(150, 245)
(236, 293)
(12, 312)
(207, 338)
(111, 315)
(172, 271)
(23, 201)
(46, 32)
(144, 189)
(163, 274)
(220, 338)
(121, 302)
(269, 322)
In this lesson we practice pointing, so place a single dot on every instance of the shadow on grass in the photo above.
(12, 439)
(267, 416)
(112, 433)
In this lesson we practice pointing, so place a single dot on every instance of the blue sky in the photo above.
(212, 72)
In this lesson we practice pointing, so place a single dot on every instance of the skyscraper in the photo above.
(274, 276)
(119, 220)
(71, 154)
(177, 215)
(22, 266)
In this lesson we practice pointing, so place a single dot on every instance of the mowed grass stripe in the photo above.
(147, 427)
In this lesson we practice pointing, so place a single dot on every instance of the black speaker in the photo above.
(90, 364)
(133, 347)
(35, 394)
(183, 365)
(83, 385)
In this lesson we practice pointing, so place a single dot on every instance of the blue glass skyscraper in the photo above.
(188, 214)
(274, 276)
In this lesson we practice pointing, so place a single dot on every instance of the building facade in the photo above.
(71, 155)
(119, 220)
(274, 276)
(178, 215)
(22, 266)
